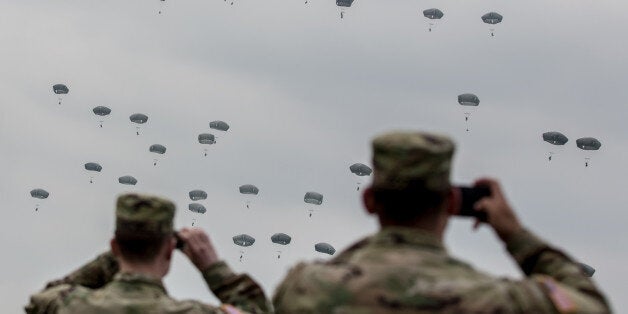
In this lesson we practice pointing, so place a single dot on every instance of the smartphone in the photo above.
(468, 197)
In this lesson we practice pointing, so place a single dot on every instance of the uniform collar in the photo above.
(394, 235)
(140, 279)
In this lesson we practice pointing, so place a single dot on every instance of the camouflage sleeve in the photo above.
(236, 289)
(94, 274)
(554, 279)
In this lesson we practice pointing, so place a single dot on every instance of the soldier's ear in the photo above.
(368, 197)
(115, 249)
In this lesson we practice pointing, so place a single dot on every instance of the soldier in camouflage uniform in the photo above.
(128, 279)
(404, 268)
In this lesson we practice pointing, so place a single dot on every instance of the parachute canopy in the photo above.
(324, 248)
(243, 240)
(127, 180)
(92, 166)
(468, 99)
(219, 125)
(360, 169)
(555, 138)
(344, 3)
(138, 118)
(313, 198)
(196, 195)
(281, 238)
(249, 189)
(101, 111)
(492, 18)
(206, 138)
(586, 269)
(157, 148)
(588, 143)
(197, 208)
(433, 14)
(40, 193)
(60, 89)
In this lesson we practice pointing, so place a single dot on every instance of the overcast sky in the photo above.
(304, 92)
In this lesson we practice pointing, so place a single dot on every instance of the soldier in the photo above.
(128, 279)
(404, 268)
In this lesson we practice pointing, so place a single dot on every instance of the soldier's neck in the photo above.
(155, 270)
(435, 227)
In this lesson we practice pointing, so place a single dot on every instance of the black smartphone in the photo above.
(468, 197)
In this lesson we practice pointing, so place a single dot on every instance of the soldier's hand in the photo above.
(198, 248)
(500, 215)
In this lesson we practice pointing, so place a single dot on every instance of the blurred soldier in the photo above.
(404, 268)
(128, 279)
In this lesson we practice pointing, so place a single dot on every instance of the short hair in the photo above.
(140, 248)
(412, 203)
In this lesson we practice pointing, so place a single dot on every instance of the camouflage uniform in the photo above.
(406, 270)
(97, 287)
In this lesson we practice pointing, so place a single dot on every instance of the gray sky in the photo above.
(304, 92)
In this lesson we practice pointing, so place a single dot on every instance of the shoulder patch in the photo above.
(561, 300)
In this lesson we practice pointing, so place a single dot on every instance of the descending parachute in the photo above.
(39, 194)
(93, 168)
(219, 125)
(556, 139)
(127, 180)
(586, 269)
(360, 170)
(324, 248)
(469, 101)
(282, 239)
(60, 89)
(162, 5)
(101, 111)
(196, 208)
(138, 118)
(206, 139)
(343, 5)
(243, 240)
(588, 144)
(249, 190)
(433, 15)
(157, 149)
(492, 18)
(313, 198)
(197, 195)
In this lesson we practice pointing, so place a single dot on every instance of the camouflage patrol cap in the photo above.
(403, 157)
(144, 215)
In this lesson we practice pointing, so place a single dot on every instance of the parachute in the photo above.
(586, 269)
(588, 144)
(281, 239)
(492, 18)
(101, 111)
(243, 240)
(554, 138)
(206, 139)
(157, 149)
(324, 248)
(39, 194)
(197, 208)
(249, 190)
(92, 167)
(219, 125)
(360, 170)
(163, 5)
(196, 195)
(469, 101)
(60, 89)
(127, 180)
(343, 4)
(313, 198)
(433, 15)
(138, 118)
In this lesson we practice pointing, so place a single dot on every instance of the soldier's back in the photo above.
(394, 271)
